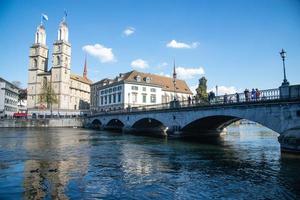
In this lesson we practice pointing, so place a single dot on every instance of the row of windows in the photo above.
(9, 101)
(11, 94)
(11, 109)
(144, 98)
(110, 90)
(114, 98)
(136, 88)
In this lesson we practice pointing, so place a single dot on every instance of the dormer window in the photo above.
(138, 78)
(148, 79)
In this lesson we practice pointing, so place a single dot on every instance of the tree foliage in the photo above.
(48, 95)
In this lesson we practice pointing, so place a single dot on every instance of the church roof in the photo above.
(81, 79)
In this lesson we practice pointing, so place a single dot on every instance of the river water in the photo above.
(246, 163)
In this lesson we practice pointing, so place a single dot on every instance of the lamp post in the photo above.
(283, 55)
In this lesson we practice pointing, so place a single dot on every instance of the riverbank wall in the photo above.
(31, 123)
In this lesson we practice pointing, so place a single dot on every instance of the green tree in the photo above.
(202, 89)
(48, 96)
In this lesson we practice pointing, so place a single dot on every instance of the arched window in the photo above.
(35, 63)
(45, 81)
(60, 34)
(66, 62)
(37, 37)
(58, 60)
(44, 64)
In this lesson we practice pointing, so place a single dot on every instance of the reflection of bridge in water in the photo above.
(277, 109)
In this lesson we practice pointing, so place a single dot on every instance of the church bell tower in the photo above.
(61, 62)
(38, 63)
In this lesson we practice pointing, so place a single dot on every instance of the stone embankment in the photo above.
(31, 123)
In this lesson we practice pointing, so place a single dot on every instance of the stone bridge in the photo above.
(186, 119)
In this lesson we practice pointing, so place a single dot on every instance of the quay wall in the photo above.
(31, 123)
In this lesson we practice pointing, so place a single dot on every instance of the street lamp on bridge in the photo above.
(283, 55)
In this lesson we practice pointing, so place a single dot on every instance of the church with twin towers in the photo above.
(72, 91)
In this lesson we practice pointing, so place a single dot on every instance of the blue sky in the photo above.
(236, 43)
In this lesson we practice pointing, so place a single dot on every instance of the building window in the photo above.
(153, 90)
(144, 98)
(109, 99)
(58, 60)
(134, 87)
(119, 97)
(148, 79)
(153, 98)
(105, 100)
(101, 100)
(35, 63)
(144, 89)
(66, 62)
(114, 98)
(138, 78)
(134, 97)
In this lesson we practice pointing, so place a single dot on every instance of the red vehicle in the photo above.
(20, 115)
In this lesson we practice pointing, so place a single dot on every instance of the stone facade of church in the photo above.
(72, 91)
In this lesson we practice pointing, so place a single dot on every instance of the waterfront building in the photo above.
(133, 89)
(72, 91)
(9, 95)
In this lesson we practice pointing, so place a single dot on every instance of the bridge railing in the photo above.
(263, 95)
(237, 98)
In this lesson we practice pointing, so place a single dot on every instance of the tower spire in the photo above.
(174, 80)
(85, 69)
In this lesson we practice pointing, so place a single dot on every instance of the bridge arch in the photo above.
(114, 124)
(149, 126)
(96, 124)
(210, 123)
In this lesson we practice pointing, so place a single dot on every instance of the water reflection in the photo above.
(53, 161)
(83, 164)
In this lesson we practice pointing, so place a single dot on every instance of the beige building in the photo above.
(72, 91)
(134, 89)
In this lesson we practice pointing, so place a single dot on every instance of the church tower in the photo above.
(38, 64)
(61, 64)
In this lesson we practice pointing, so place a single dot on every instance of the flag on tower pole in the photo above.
(44, 17)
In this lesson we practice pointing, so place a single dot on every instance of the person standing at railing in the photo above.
(225, 98)
(237, 96)
(247, 94)
(253, 94)
(257, 94)
(189, 100)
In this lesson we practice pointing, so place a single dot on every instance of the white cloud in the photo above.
(101, 52)
(163, 74)
(182, 45)
(224, 89)
(188, 73)
(139, 64)
(161, 65)
(129, 31)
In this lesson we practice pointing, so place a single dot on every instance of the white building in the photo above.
(71, 90)
(9, 95)
(133, 89)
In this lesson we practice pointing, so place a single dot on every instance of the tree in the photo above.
(202, 95)
(48, 96)
(22, 94)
